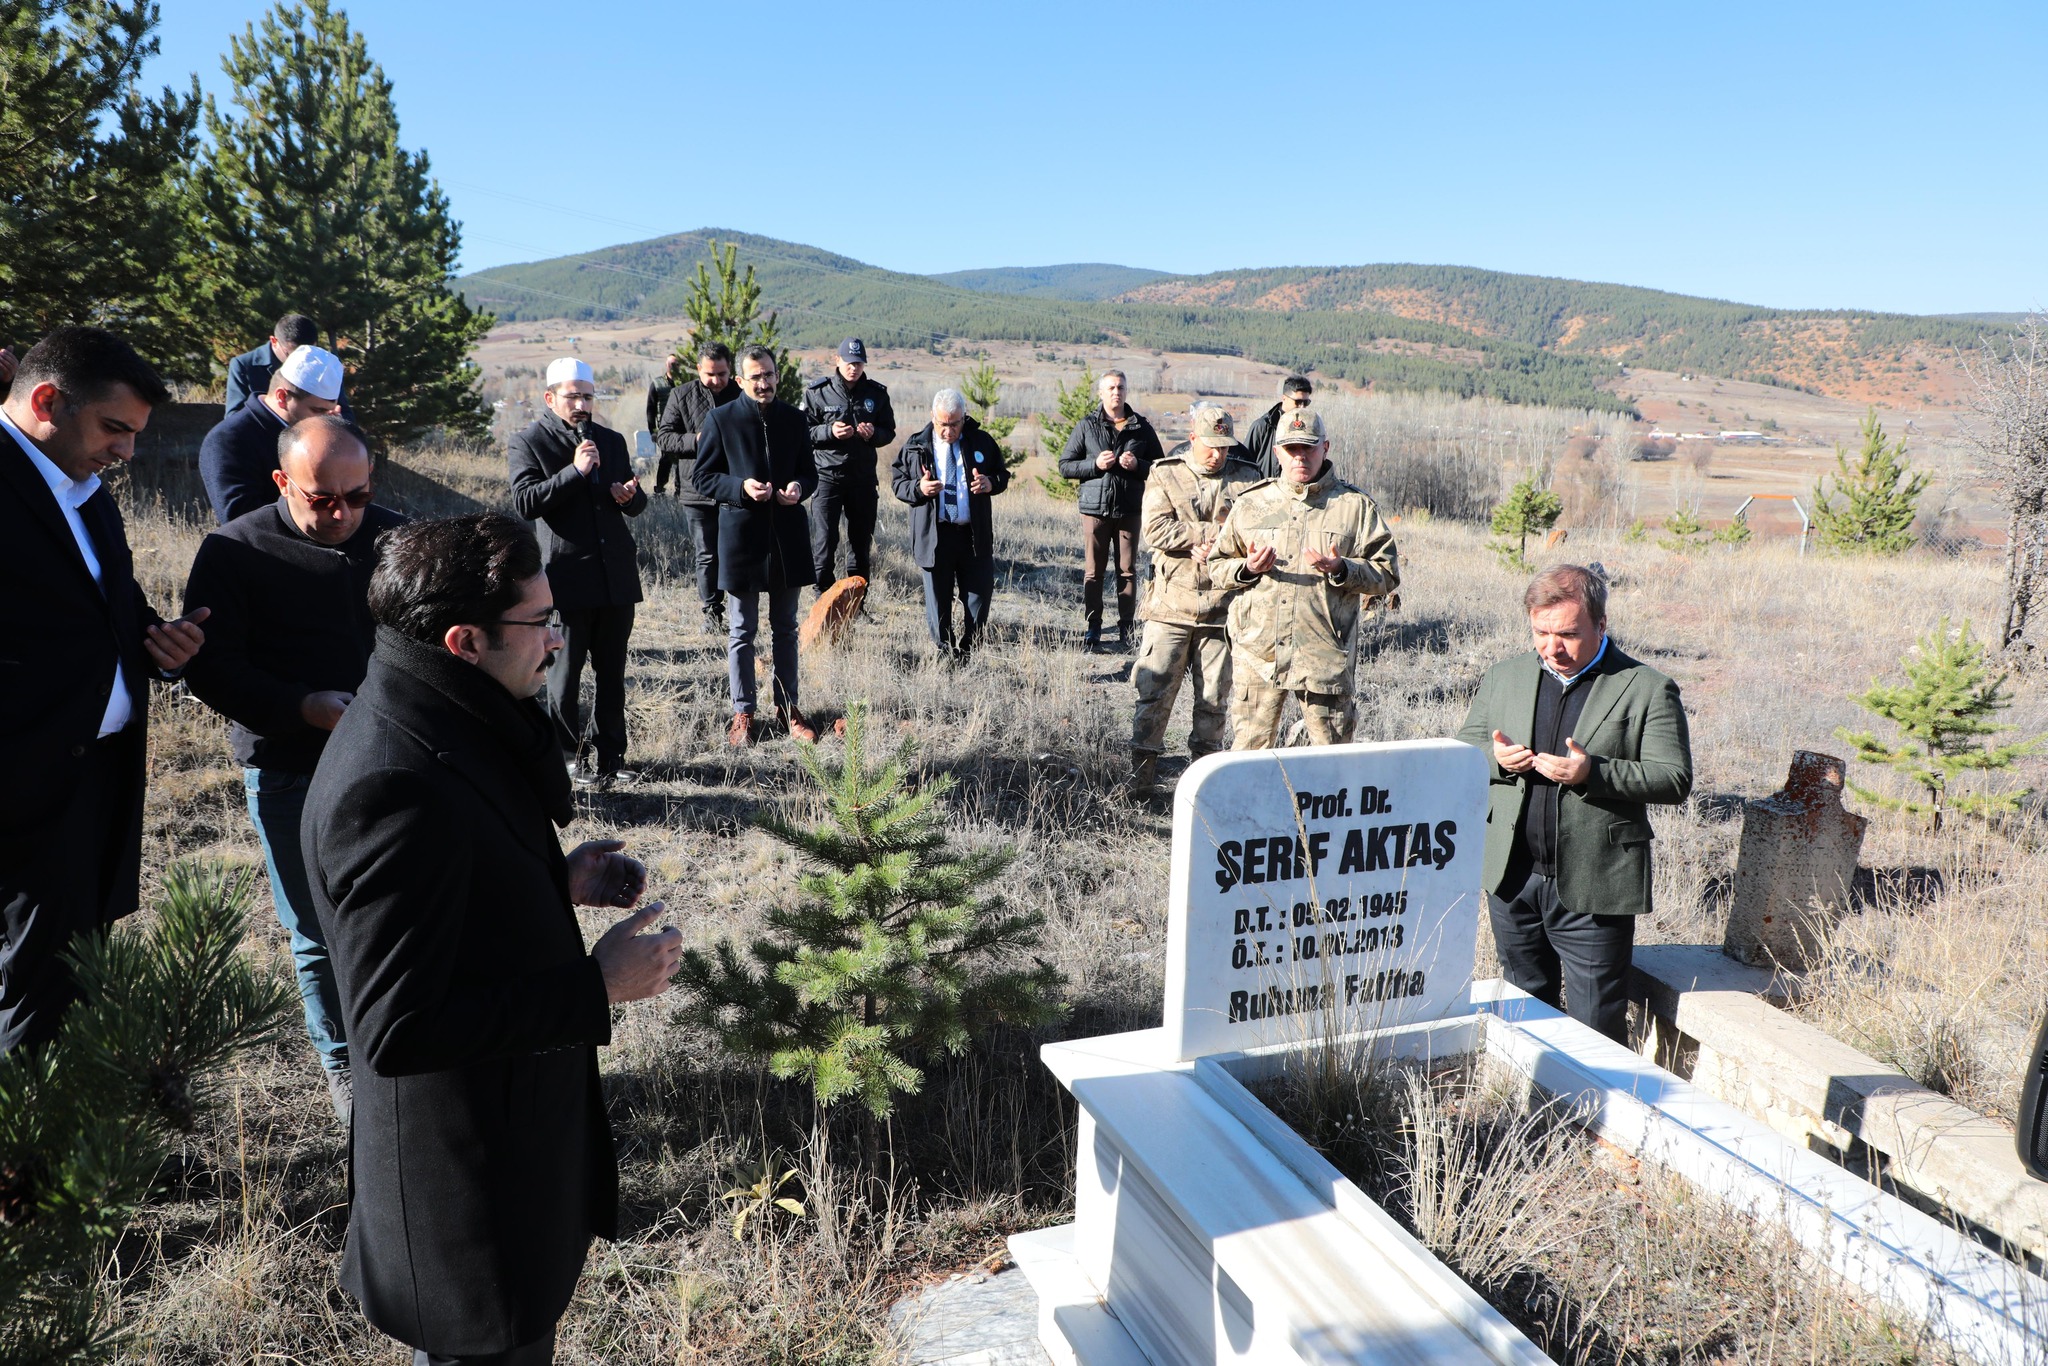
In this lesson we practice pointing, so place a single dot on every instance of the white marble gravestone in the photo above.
(1322, 891)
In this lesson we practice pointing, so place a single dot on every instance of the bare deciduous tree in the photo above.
(2009, 427)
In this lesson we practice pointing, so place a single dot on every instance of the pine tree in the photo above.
(90, 210)
(1529, 507)
(1943, 708)
(725, 306)
(983, 390)
(1070, 407)
(1881, 497)
(88, 1121)
(894, 951)
(1683, 531)
(307, 203)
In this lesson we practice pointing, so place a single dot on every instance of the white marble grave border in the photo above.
(1207, 1230)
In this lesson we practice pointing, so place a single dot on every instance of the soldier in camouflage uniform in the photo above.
(1310, 552)
(1186, 608)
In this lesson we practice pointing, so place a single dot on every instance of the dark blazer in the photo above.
(57, 665)
(682, 419)
(1116, 491)
(832, 399)
(591, 559)
(250, 372)
(761, 546)
(290, 617)
(918, 459)
(481, 1160)
(237, 459)
(1634, 727)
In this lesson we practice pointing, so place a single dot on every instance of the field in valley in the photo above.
(1950, 950)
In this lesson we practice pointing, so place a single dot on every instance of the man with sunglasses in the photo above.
(289, 644)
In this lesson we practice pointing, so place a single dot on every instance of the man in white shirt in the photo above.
(82, 645)
(947, 472)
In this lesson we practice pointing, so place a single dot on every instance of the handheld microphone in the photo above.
(582, 430)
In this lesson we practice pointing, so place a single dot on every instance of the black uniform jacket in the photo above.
(590, 554)
(290, 617)
(64, 636)
(481, 1161)
(832, 399)
(1116, 491)
(919, 460)
(682, 419)
(761, 546)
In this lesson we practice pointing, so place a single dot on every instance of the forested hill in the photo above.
(821, 297)
(1846, 352)
(1085, 280)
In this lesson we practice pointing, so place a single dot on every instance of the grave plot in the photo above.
(1208, 1229)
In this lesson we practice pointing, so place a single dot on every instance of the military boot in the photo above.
(1144, 779)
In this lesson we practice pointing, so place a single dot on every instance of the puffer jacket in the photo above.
(832, 399)
(1183, 509)
(1291, 626)
(682, 422)
(1116, 491)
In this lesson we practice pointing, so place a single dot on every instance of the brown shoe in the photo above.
(739, 732)
(799, 729)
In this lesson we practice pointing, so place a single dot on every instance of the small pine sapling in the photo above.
(1942, 710)
(1528, 508)
(1073, 405)
(1880, 496)
(892, 953)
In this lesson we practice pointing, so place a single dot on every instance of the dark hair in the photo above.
(453, 571)
(715, 351)
(1296, 384)
(1568, 583)
(85, 362)
(292, 437)
(296, 329)
(760, 355)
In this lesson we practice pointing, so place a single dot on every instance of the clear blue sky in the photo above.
(1799, 153)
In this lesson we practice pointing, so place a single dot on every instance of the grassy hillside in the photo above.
(1840, 352)
(1085, 281)
(823, 297)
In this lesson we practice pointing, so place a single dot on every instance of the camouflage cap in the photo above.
(1209, 425)
(1303, 427)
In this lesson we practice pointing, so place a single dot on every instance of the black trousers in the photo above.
(539, 1352)
(854, 496)
(1545, 949)
(957, 572)
(599, 635)
(53, 889)
(704, 530)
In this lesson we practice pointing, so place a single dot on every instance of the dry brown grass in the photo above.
(236, 1264)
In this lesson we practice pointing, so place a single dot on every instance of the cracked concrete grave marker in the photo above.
(1318, 892)
(1797, 864)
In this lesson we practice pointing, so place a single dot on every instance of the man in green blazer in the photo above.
(1583, 739)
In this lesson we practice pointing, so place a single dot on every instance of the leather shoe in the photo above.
(739, 732)
(799, 729)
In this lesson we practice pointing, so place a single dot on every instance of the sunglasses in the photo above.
(329, 502)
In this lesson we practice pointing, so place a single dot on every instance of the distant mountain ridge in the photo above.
(1459, 328)
(1084, 281)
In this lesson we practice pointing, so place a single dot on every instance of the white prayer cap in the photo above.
(568, 368)
(313, 371)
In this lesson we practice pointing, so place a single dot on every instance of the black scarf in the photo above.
(522, 726)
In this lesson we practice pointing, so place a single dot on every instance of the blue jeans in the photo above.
(277, 799)
(743, 623)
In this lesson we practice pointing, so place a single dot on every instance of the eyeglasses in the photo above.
(551, 622)
(329, 502)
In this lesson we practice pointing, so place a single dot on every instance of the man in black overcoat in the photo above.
(682, 421)
(481, 1160)
(947, 472)
(576, 479)
(82, 645)
(754, 457)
